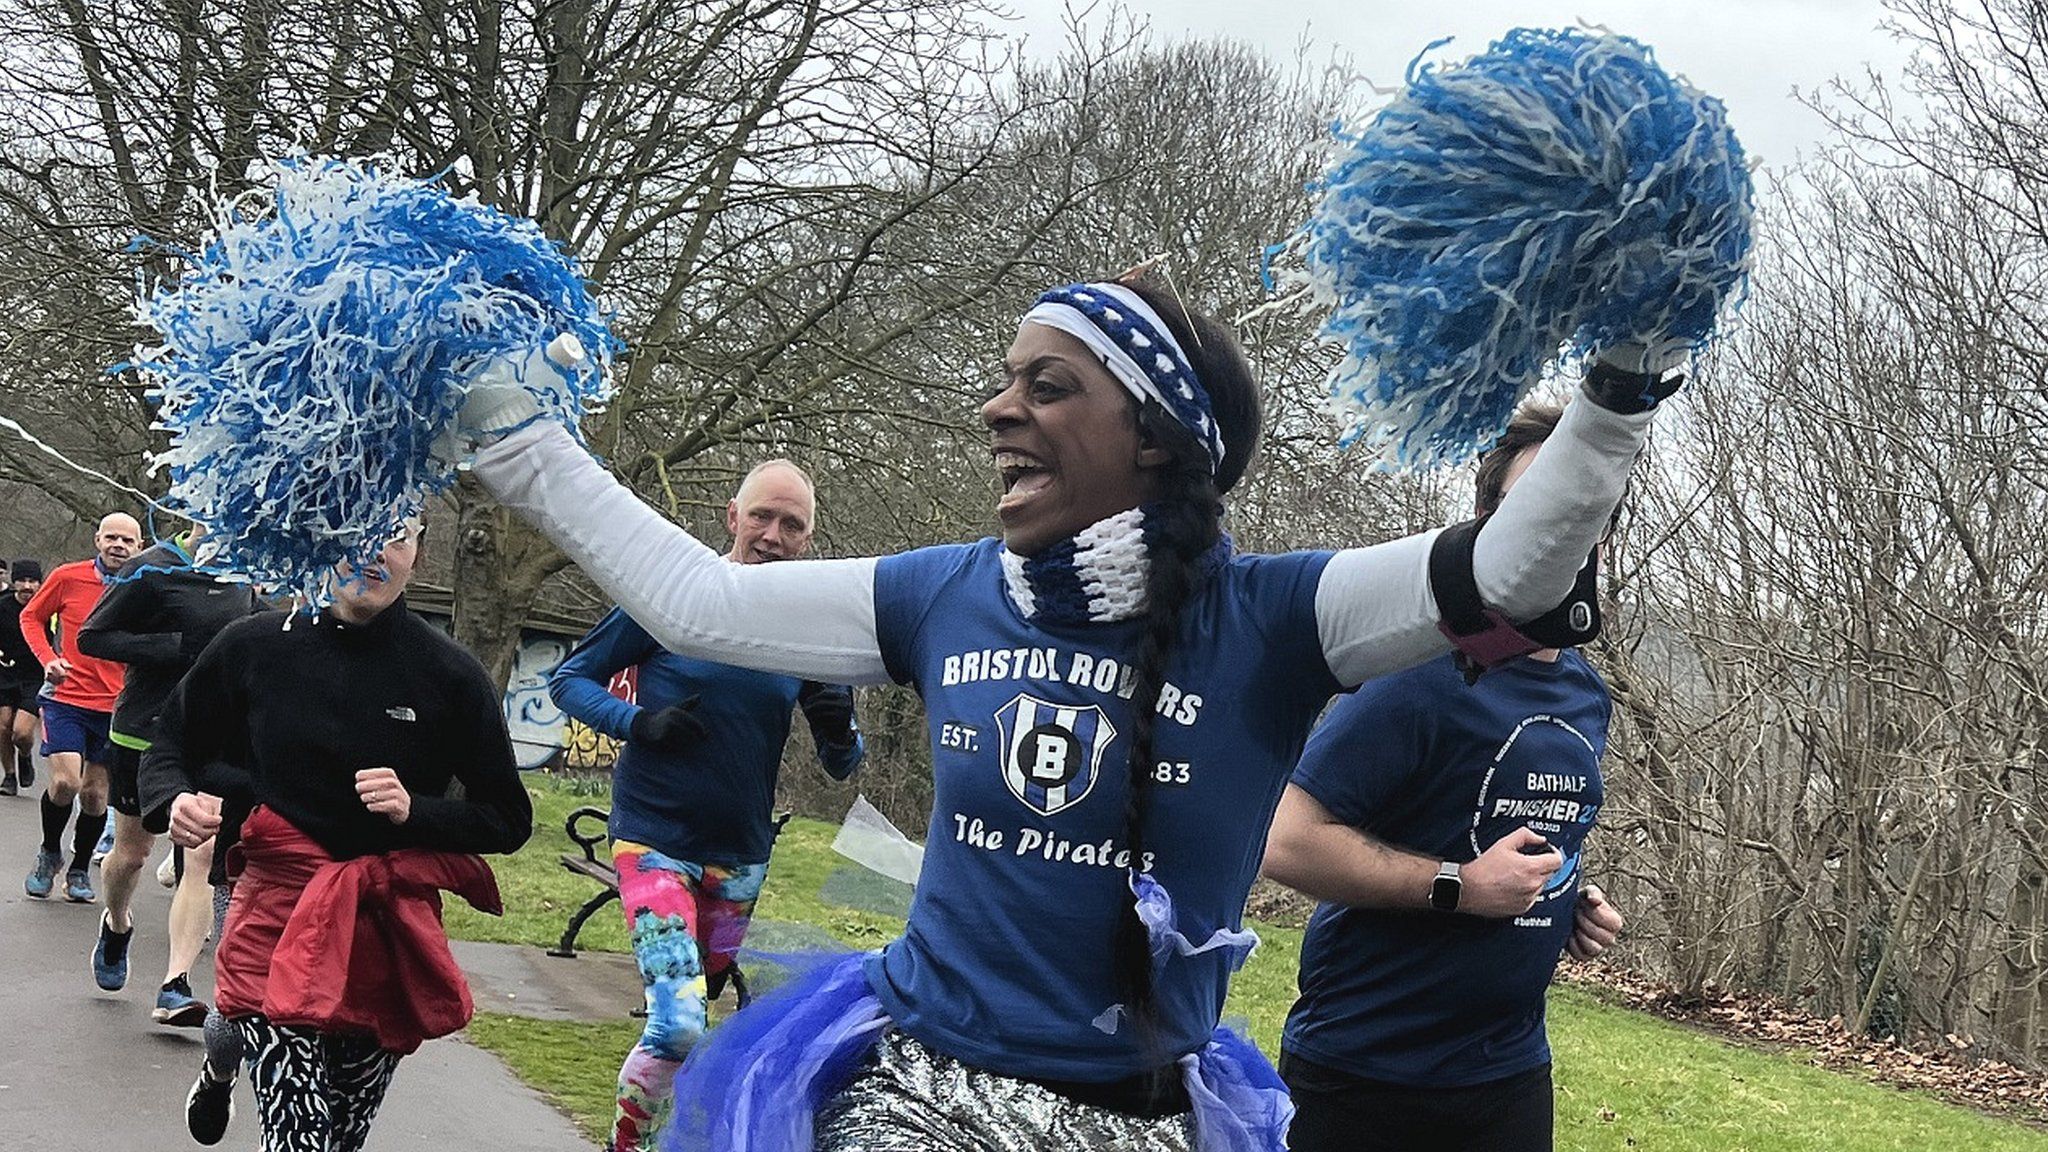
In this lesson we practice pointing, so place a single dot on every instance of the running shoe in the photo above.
(176, 1007)
(110, 957)
(78, 887)
(167, 872)
(106, 844)
(44, 878)
(9, 788)
(209, 1106)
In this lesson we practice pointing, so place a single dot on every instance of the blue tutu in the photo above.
(757, 1081)
(1240, 1103)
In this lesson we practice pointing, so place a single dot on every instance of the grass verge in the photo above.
(1625, 1080)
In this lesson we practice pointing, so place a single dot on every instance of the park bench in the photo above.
(594, 867)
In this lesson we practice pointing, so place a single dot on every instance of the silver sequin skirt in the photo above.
(911, 1099)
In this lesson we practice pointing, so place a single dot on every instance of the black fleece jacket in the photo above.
(304, 707)
(155, 618)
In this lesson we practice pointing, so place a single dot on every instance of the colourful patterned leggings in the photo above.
(686, 922)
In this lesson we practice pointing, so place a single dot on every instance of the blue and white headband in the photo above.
(1138, 349)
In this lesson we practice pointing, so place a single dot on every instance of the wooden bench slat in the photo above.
(602, 873)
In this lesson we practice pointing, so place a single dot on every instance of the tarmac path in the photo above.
(85, 1069)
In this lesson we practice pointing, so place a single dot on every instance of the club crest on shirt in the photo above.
(1052, 753)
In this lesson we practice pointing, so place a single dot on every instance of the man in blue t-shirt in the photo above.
(692, 793)
(1441, 824)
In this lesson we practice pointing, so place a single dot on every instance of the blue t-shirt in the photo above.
(1005, 963)
(712, 803)
(1425, 762)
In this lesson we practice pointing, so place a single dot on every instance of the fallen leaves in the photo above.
(1943, 1066)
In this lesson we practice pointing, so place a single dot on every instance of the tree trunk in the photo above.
(500, 564)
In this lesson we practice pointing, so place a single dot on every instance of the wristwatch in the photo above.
(1443, 891)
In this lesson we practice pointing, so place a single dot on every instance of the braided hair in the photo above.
(1181, 527)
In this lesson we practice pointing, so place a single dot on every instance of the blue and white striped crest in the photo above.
(1052, 753)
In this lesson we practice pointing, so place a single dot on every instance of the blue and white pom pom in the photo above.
(1560, 193)
(318, 347)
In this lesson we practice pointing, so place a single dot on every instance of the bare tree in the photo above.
(770, 196)
(1830, 695)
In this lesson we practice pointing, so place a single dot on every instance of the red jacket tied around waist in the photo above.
(346, 945)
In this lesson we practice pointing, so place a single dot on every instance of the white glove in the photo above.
(505, 394)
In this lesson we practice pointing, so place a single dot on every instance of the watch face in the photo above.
(1443, 893)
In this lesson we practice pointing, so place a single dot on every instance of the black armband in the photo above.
(1628, 393)
(1485, 638)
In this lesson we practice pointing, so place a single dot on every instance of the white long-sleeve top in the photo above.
(1374, 609)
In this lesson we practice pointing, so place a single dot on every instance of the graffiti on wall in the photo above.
(538, 727)
(585, 747)
(540, 731)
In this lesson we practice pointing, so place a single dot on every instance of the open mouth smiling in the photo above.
(1022, 476)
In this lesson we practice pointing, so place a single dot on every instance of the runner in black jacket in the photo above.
(351, 728)
(155, 618)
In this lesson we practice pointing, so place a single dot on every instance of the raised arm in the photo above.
(1374, 608)
(814, 619)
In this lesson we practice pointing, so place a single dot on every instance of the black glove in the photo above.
(831, 717)
(676, 728)
(1628, 377)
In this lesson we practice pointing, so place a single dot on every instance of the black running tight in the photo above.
(223, 1042)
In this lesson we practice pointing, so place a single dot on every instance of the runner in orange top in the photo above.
(76, 708)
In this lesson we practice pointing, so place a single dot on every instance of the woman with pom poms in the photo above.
(1115, 699)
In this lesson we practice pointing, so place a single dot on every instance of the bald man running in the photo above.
(155, 620)
(76, 706)
(692, 795)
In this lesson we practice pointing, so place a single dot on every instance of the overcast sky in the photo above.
(1750, 53)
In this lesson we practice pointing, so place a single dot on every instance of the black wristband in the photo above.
(1625, 392)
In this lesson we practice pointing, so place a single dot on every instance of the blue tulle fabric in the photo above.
(1240, 1103)
(1162, 927)
(317, 348)
(756, 1082)
(1558, 193)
